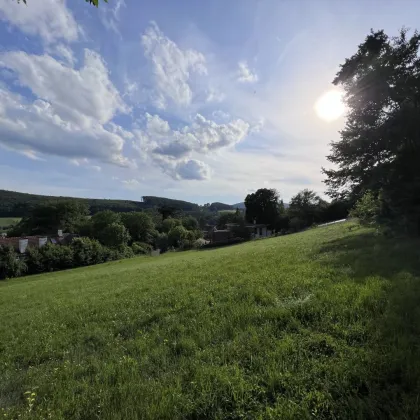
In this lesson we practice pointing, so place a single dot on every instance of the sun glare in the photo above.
(330, 105)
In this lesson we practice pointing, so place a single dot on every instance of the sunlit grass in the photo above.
(322, 324)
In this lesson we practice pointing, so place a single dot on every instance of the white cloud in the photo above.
(192, 169)
(110, 16)
(171, 149)
(77, 95)
(63, 52)
(220, 115)
(130, 184)
(214, 95)
(245, 74)
(68, 115)
(48, 19)
(96, 168)
(172, 67)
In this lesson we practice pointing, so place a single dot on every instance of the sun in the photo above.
(330, 105)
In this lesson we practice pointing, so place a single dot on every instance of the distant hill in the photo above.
(16, 204)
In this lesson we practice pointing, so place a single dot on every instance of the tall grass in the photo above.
(323, 324)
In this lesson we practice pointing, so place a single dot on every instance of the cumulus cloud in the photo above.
(192, 169)
(245, 74)
(48, 19)
(77, 94)
(172, 67)
(68, 115)
(171, 149)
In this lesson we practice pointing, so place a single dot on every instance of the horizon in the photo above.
(196, 102)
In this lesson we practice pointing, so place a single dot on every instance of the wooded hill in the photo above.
(16, 204)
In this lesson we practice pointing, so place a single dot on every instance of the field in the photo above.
(322, 324)
(7, 221)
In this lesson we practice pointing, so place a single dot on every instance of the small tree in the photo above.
(103, 219)
(139, 225)
(177, 235)
(366, 209)
(190, 223)
(10, 264)
(168, 224)
(114, 235)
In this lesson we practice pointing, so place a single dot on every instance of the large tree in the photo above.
(262, 206)
(379, 148)
(140, 226)
(50, 216)
(306, 208)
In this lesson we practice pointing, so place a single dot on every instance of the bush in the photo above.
(366, 209)
(141, 248)
(35, 261)
(162, 242)
(199, 243)
(114, 235)
(50, 258)
(10, 263)
(177, 235)
(88, 251)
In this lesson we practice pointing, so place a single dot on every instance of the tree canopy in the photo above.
(262, 206)
(379, 149)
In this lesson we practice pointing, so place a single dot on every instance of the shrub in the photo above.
(141, 248)
(88, 251)
(162, 242)
(177, 235)
(10, 263)
(366, 209)
(200, 242)
(114, 235)
(50, 258)
(35, 261)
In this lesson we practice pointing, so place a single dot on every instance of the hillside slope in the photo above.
(16, 204)
(322, 324)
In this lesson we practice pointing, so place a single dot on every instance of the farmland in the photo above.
(321, 324)
(5, 222)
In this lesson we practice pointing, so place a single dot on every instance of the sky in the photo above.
(200, 101)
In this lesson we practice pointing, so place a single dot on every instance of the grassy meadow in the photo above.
(8, 221)
(322, 324)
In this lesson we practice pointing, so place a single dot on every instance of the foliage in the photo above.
(139, 225)
(169, 223)
(177, 235)
(103, 219)
(141, 248)
(88, 251)
(305, 209)
(49, 217)
(162, 242)
(379, 148)
(262, 206)
(190, 223)
(15, 204)
(367, 209)
(10, 264)
(114, 235)
(224, 218)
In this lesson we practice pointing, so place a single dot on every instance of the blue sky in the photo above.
(202, 101)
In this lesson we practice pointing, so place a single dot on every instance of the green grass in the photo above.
(323, 324)
(8, 221)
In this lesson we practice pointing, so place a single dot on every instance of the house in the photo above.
(22, 244)
(219, 235)
(259, 230)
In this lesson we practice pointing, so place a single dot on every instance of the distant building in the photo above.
(22, 244)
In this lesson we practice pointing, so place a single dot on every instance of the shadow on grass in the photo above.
(393, 365)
